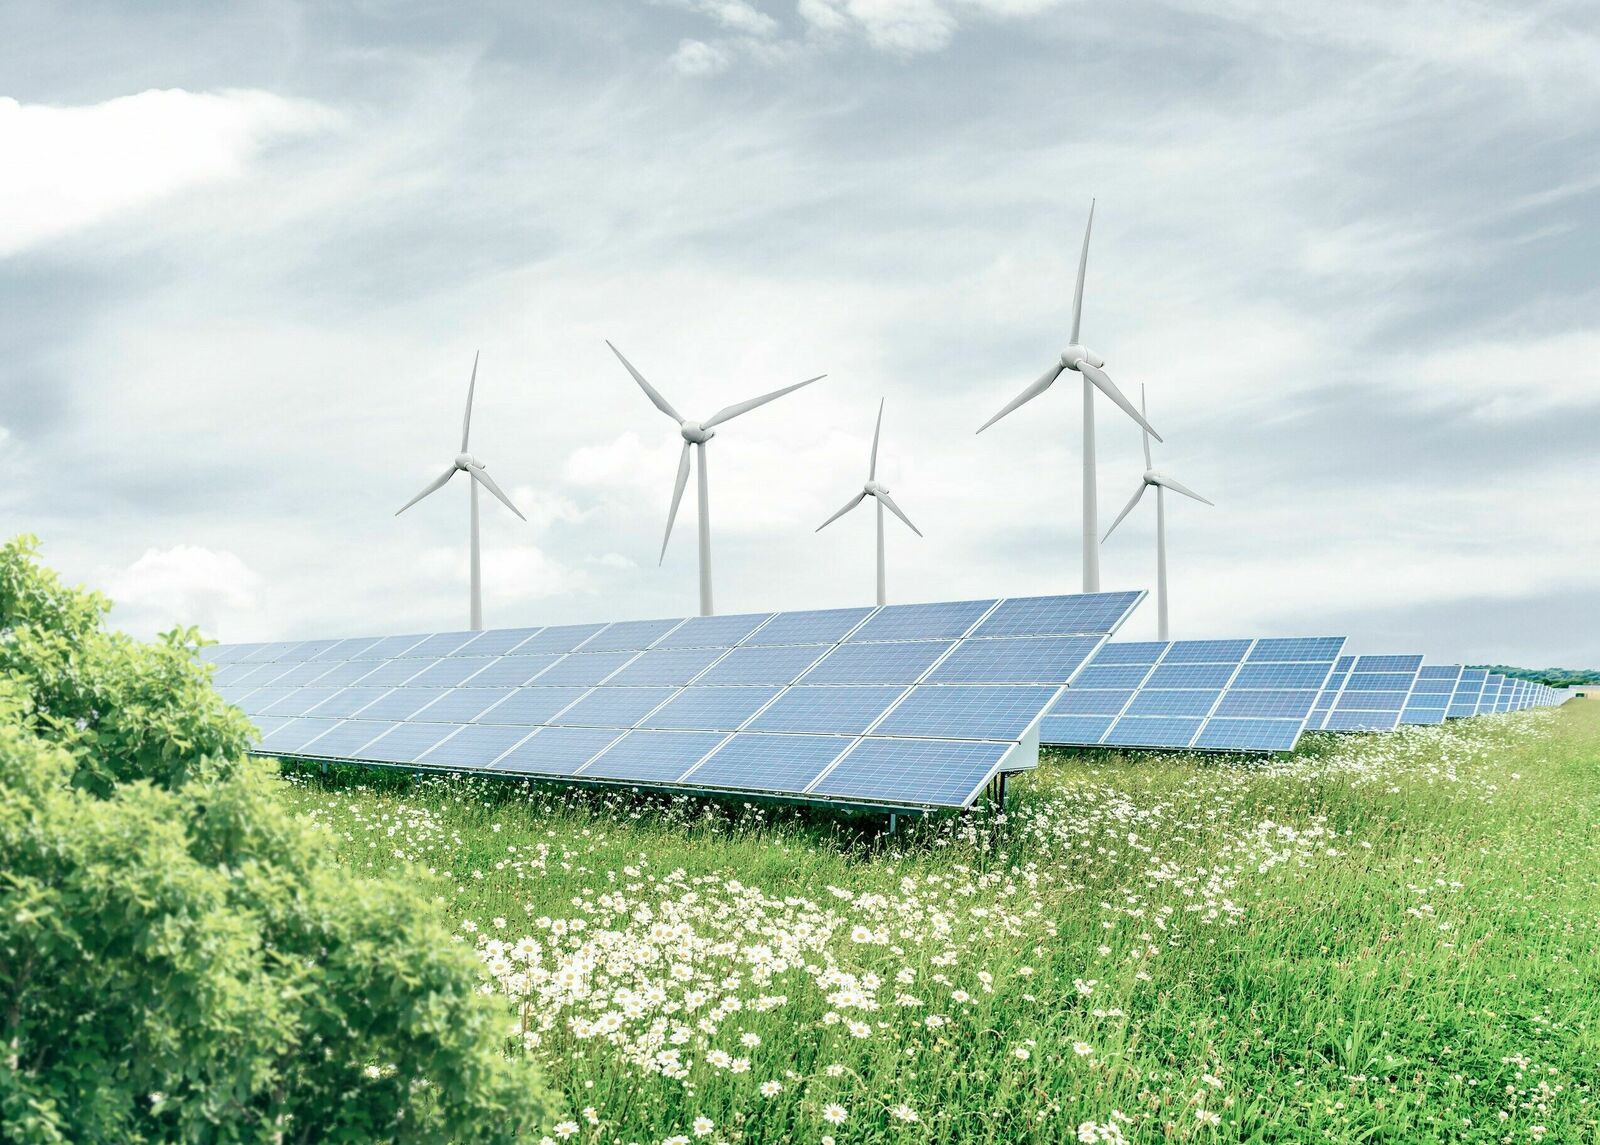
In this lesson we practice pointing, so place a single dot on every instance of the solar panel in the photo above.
(1374, 694)
(1214, 695)
(833, 705)
(1429, 701)
(1330, 693)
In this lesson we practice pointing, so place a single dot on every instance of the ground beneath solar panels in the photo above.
(1387, 937)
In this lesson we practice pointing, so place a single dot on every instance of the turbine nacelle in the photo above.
(873, 489)
(1075, 354)
(467, 461)
(695, 433)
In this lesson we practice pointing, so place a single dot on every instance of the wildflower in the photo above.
(567, 1129)
(1021, 1053)
(835, 1070)
(904, 1112)
(771, 1088)
(834, 1113)
(1082, 1049)
(703, 1125)
(749, 1041)
(1205, 1117)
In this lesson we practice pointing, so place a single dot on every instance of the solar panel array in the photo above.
(1219, 695)
(906, 706)
(1374, 694)
(1429, 702)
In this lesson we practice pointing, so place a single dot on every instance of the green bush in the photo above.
(182, 960)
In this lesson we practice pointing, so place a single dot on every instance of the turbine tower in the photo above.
(475, 469)
(1162, 483)
(696, 434)
(880, 494)
(1086, 362)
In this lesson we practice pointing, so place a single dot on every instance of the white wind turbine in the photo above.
(473, 468)
(1162, 483)
(696, 434)
(880, 494)
(1086, 362)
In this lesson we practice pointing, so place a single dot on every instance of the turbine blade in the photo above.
(848, 505)
(1083, 270)
(1027, 395)
(487, 482)
(677, 498)
(466, 422)
(1106, 386)
(734, 411)
(1184, 489)
(650, 391)
(888, 503)
(872, 469)
(436, 483)
(1145, 411)
(1128, 508)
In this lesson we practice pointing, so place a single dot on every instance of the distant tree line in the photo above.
(1554, 677)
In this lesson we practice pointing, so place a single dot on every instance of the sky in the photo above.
(247, 254)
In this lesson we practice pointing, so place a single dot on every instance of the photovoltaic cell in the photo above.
(1015, 660)
(721, 709)
(985, 712)
(712, 631)
(556, 751)
(385, 673)
(345, 701)
(1250, 735)
(1058, 615)
(848, 710)
(389, 647)
(768, 762)
(347, 737)
(509, 671)
(781, 664)
(497, 642)
(614, 707)
(652, 756)
(536, 705)
(666, 666)
(475, 746)
(442, 644)
(406, 743)
(876, 663)
(294, 735)
(449, 673)
(922, 621)
(560, 638)
(1173, 702)
(1149, 731)
(937, 773)
(298, 702)
(584, 668)
(1077, 701)
(396, 703)
(460, 705)
(823, 626)
(629, 635)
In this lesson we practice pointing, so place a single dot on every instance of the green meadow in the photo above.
(1383, 938)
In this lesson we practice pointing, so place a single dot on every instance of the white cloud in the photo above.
(902, 27)
(185, 584)
(67, 168)
(511, 573)
(544, 508)
(1505, 380)
(698, 58)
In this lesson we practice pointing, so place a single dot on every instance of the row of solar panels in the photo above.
(1260, 695)
(903, 706)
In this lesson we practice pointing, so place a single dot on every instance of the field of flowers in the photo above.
(1382, 939)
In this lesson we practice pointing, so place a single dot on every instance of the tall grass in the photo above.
(1384, 938)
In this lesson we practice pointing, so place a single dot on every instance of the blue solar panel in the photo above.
(449, 673)
(1207, 652)
(781, 664)
(510, 671)
(346, 738)
(389, 647)
(724, 709)
(1282, 676)
(294, 735)
(1169, 675)
(584, 667)
(389, 673)
(1085, 730)
(345, 649)
(298, 702)
(556, 751)
(959, 712)
(1152, 731)
(534, 705)
(629, 635)
(399, 704)
(303, 673)
(1016, 660)
(846, 710)
(876, 663)
(461, 705)
(653, 756)
(1250, 735)
(1409, 664)
(712, 631)
(262, 699)
(441, 644)
(477, 745)
(666, 666)
(1360, 681)
(822, 626)
(347, 701)
(938, 773)
(1098, 675)
(1145, 652)
(777, 763)
(498, 642)
(1322, 648)
(1267, 704)
(614, 707)
(407, 743)
(1058, 615)
(559, 638)
(922, 621)
(1091, 701)
(1362, 701)
(1174, 702)
(1357, 721)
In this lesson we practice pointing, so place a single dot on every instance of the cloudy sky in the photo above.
(1350, 248)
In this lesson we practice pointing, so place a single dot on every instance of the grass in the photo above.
(1381, 939)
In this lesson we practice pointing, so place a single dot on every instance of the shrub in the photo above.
(181, 959)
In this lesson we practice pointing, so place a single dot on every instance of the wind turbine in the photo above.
(880, 494)
(473, 468)
(1086, 362)
(695, 435)
(1162, 483)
